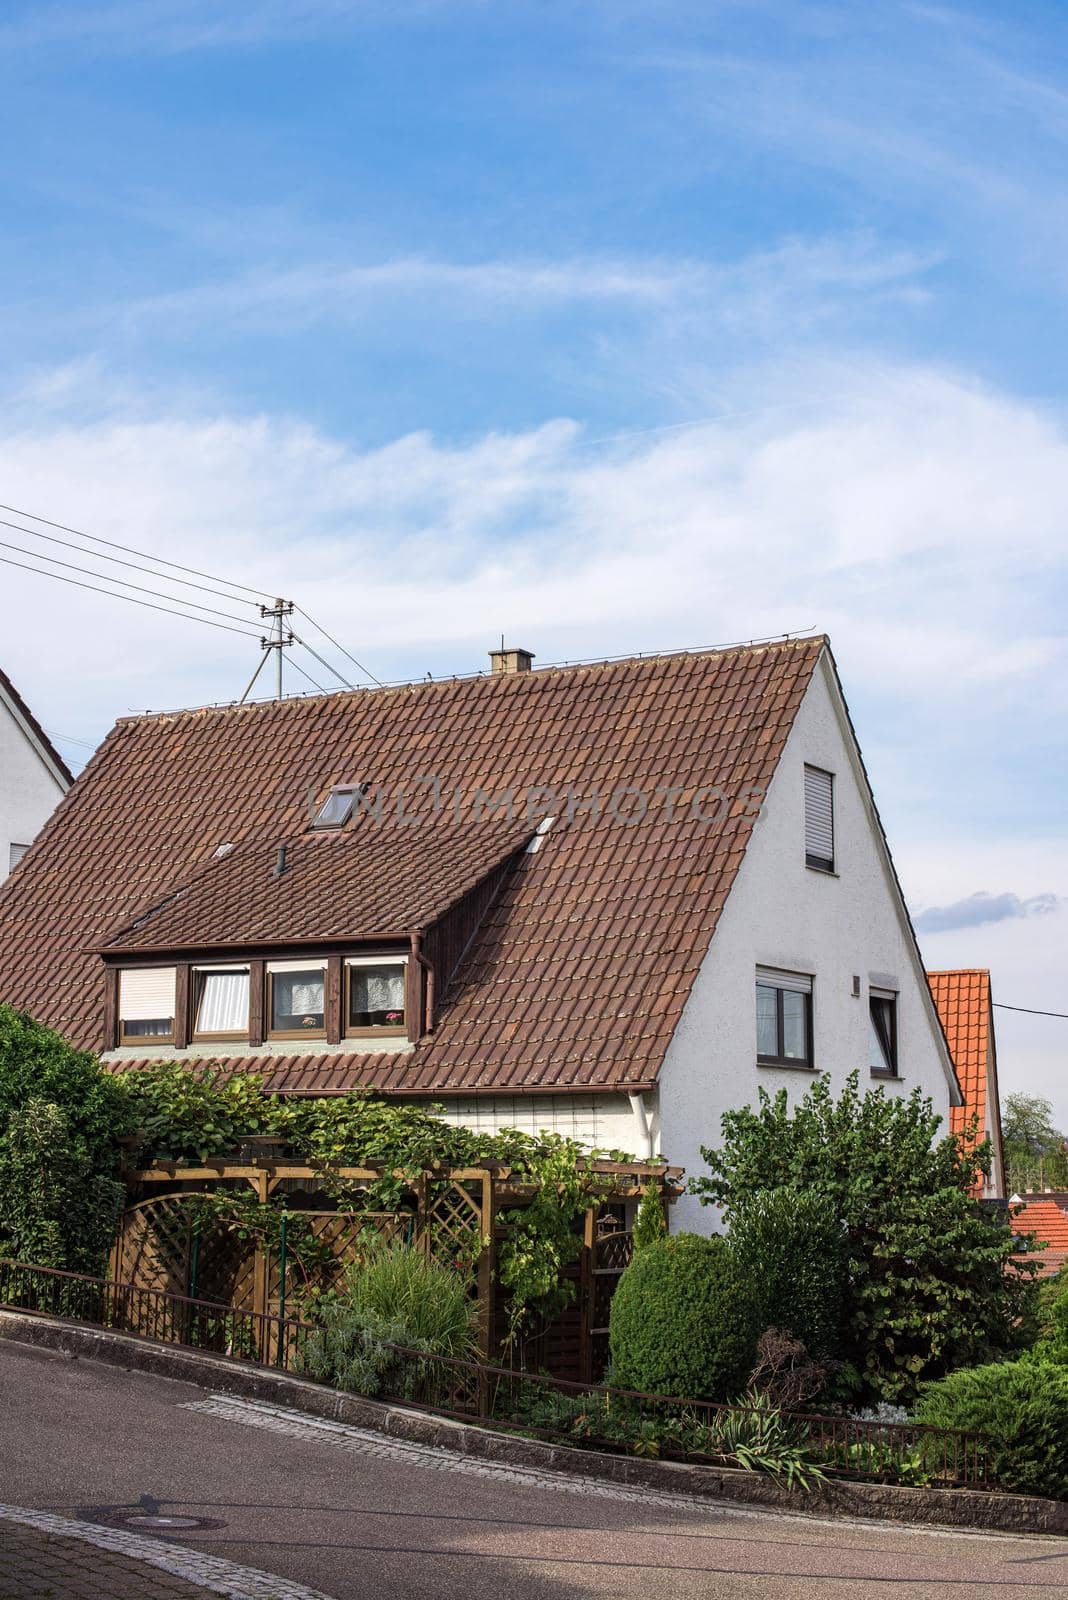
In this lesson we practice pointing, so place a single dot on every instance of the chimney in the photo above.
(280, 862)
(510, 660)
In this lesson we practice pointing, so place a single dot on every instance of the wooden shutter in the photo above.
(819, 818)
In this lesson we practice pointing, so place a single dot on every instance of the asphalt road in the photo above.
(356, 1516)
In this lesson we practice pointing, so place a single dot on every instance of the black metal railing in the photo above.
(156, 1314)
(531, 1404)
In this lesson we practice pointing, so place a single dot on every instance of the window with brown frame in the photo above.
(296, 1000)
(375, 996)
(783, 1019)
(220, 1003)
(147, 1005)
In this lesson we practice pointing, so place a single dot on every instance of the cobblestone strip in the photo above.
(361, 1441)
(193, 1567)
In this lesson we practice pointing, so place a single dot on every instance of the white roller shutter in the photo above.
(146, 994)
(773, 978)
(819, 817)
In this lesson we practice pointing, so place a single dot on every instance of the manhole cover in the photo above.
(149, 1516)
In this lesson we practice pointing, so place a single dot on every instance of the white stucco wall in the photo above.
(783, 914)
(30, 789)
(603, 1121)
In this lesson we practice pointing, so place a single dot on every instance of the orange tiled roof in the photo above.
(963, 1001)
(581, 966)
(1049, 1223)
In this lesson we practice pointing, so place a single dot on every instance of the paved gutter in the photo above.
(961, 1508)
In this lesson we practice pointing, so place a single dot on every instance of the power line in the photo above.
(59, 578)
(131, 551)
(67, 738)
(307, 675)
(320, 629)
(320, 659)
(999, 1005)
(126, 584)
(118, 561)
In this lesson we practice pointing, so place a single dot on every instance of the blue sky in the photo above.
(400, 308)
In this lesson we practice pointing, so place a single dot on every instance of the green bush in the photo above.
(36, 1064)
(928, 1289)
(60, 1120)
(684, 1321)
(54, 1209)
(791, 1247)
(394, 1295)
(650, 1225)
(1022, 1408)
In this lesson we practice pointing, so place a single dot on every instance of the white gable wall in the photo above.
(30, 787)
(783, 914)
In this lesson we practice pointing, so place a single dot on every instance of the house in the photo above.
(966, 1010)
(1045, 1216)
(612, 900)
(33, 776)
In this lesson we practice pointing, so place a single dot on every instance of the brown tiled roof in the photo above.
(35, 727)
(580, 970)
(377, 877)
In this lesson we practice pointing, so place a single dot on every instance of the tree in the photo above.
(61, 1117)
(1036, 1153)
(927, 1286)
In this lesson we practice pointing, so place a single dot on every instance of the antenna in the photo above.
(277, 640)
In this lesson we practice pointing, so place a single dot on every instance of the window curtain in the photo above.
(377, 989)
(223, 1002)
(298, 994)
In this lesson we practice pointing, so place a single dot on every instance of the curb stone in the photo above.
(210, 1573)
(991, 1511)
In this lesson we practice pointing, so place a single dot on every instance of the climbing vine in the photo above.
(194, 1117)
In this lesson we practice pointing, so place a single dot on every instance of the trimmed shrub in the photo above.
(791, 1246)
(650, 1225)
(684, 1321)
(54, 1209)
(1022, 1408)
(37, 1064)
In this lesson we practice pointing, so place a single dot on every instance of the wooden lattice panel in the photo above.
(452, 1220)
(154, 1244)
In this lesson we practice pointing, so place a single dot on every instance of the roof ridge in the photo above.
(536, 674)
(34, 726)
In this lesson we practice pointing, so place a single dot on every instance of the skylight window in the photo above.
(336, 809)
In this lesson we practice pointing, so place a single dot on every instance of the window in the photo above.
(784, 1018)
(296, 999)
(336, 809)
(374, 998)
(220, 1003)
(819, 819)
(882, 1032)
(146, 1005)
(15, 854)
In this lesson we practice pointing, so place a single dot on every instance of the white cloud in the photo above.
(796, 285)
(911, 512)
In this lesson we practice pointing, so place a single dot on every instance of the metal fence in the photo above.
(531, 1404)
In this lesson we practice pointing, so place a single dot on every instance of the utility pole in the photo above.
(277, 640)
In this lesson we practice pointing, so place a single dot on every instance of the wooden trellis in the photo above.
(451, 1214)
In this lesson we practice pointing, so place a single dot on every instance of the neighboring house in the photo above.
(1046, 1216)
(33, 776)
(688, 898)
(966, 1010)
